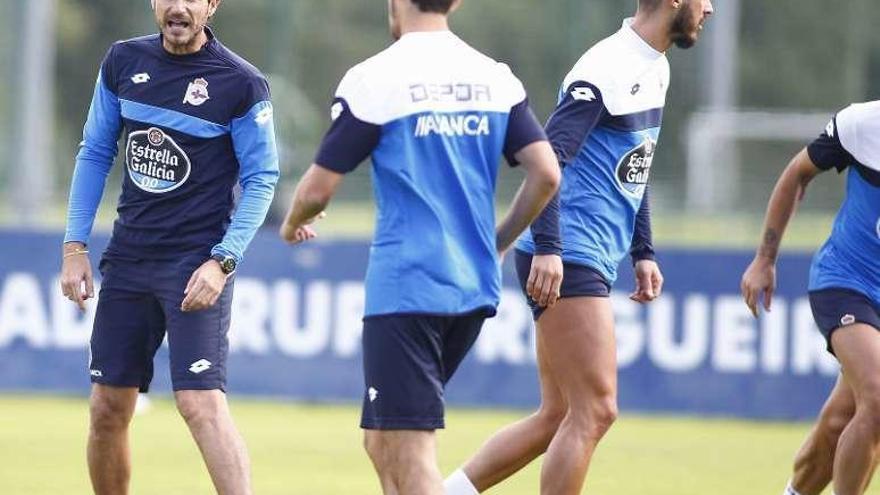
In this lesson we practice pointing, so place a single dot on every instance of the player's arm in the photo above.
(526, 144)
(649, 279)
(348, 143)
(576, 115)
(93, 162)
(760, 276)
(253, 140)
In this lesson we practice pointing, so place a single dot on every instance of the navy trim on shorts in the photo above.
(577, 281)
(835, 308)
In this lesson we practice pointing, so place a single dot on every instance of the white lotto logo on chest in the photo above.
(634, 168)
(155, 162)
(452, 125)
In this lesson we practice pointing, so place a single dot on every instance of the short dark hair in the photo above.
(649, 5)
(438, 6)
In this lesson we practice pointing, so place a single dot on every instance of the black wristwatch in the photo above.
(227, 263)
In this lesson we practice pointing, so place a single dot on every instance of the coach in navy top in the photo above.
(196, 124)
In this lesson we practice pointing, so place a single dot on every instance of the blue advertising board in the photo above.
(297, 321)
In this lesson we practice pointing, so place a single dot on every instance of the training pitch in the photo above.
(316, 450)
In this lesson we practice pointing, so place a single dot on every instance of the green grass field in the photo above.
(316, 450)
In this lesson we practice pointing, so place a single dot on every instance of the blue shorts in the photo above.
(835, 308)
(577, 281)
(138, 304)
(408, 359)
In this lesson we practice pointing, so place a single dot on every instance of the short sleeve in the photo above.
(827, 151)
(523, 129)
(348, 142)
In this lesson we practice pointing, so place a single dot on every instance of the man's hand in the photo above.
(545, 278)
(759, 277)
(204, 287)
(297, 234)
(649, 281)
(76, 274)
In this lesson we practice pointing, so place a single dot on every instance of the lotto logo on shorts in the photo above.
(155, 162)
(847, 320)
(200, 366)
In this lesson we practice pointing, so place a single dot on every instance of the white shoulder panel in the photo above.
(858, 128)
(630, 81)
(428, 73)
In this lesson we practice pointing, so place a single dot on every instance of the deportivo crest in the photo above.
(197, 92)
(155, 162)
(635, 167)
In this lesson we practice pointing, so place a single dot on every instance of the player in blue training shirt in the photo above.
(196, 122)
(436, 116)
(844, 296)
(604, 132)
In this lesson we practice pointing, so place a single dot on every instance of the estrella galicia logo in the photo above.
(155, 162)
(635, 167)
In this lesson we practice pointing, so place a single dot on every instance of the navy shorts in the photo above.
(835, 308)
(138, 304)
(408, 359)
(577, 281)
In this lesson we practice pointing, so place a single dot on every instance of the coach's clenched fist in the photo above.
(204, 287)
(76, 274)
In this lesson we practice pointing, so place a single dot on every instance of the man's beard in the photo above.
(681, 29)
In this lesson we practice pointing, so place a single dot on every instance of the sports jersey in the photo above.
(436, 116)
(194, 127)
(605, 130)
(848, 259)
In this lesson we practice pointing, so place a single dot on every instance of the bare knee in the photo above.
(549, 417)
(201, 408)
(832, 421)
(597, 416)
(110, 412)
(868, 411)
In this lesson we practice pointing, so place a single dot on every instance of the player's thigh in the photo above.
(857, 346)
(403, 372)
(128, 329)
(198, 341)
(552, 399)
(578, 336)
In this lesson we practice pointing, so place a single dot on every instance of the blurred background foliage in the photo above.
(792, 55)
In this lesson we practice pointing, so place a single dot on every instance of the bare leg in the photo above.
(207, 414)
(109, 458)
(518, 444)
(814, 463)
(858, 349)
(579, 335)
(405, 460)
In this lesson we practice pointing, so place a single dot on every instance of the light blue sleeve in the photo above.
(93, 162)
(253, 138)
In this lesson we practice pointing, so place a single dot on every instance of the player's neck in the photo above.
(194, 46)
(654, 30)
(425, 23)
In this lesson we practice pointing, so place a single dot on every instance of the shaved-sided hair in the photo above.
(438, 6)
